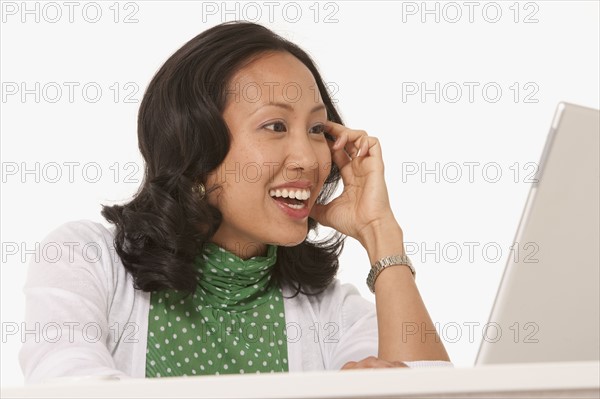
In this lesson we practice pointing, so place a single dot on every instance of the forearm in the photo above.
(406, 332)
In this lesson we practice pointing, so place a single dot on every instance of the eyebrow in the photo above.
(288, 107)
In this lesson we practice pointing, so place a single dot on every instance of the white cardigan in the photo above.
(84, 317)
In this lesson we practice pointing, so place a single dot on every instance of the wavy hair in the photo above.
(183, 136)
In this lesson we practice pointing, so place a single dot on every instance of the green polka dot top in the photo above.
(234, 322)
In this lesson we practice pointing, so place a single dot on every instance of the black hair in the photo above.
(182, 137)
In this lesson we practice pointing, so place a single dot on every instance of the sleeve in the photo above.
(356, 321)
(66, 307)
(358, 336)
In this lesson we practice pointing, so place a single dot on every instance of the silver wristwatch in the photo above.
(385, 262)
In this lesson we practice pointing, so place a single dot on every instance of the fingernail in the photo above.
(358, 153)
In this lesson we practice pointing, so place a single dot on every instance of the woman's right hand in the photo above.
(372, 362)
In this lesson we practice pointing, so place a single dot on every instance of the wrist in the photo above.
(383, 263)
(382, 238)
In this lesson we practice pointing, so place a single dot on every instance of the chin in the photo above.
(291, 240)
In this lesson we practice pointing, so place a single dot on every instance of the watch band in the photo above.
(379, 265)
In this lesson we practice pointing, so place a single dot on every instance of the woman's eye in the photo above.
(277, 126)
(318, 129)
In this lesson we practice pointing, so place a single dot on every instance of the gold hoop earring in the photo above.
(199, 189)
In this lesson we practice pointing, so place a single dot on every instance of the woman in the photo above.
(212, 270)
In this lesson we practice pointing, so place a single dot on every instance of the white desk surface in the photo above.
(535, 380)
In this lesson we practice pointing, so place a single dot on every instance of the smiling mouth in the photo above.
(293, 198)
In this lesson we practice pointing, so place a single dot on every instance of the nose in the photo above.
(301, 158)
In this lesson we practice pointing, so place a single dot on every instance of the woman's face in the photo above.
(276, 118)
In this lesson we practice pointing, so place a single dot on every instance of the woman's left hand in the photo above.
(372, 362)
(364, 200)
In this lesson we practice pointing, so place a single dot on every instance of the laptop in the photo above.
(547, 305)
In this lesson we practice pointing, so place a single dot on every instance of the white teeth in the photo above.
(295, 206)
(298, 194)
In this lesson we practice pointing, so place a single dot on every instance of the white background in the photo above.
(370, 53)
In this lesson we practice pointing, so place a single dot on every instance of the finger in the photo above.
(340, 140)
(349, 365)
(379, 364)
(359, 144)
(369, 146)
(370, 361)
(319, 213)
(358, 139)
(364, 147)
(340, 157)
(373, 362)
(375, 148)
(343, 135)
(337, 130)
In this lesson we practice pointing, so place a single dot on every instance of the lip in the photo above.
(298, 214)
